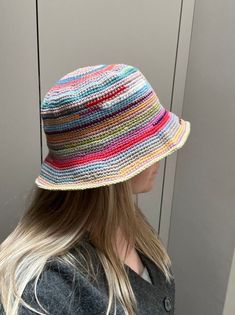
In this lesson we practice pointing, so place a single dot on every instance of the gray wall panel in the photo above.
(19, 119)
(202, 234)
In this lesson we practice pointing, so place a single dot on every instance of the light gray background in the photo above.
(202, 230)
(194, 194)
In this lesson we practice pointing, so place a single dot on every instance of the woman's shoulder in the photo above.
(66, 286)
(53, 289)
(64, 271)
(61, 288)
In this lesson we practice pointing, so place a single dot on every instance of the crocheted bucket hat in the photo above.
(104, 124)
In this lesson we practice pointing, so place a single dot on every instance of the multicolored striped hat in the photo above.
(104, 124)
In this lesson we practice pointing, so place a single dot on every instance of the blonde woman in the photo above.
(84, 246)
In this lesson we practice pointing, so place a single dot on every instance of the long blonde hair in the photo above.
(56, 221)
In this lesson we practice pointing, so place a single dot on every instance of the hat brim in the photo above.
(118, 167)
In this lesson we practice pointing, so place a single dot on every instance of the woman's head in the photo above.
(102, 123)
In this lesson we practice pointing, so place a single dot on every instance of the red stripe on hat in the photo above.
(104, 98)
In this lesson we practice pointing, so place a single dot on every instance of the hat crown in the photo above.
(93, 99)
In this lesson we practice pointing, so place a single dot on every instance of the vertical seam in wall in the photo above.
(176, 54)
(189, 52)
(172, 92)
(39, 77)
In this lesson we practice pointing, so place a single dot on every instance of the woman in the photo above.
(84, 246)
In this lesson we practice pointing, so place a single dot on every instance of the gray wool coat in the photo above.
(62, 291)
